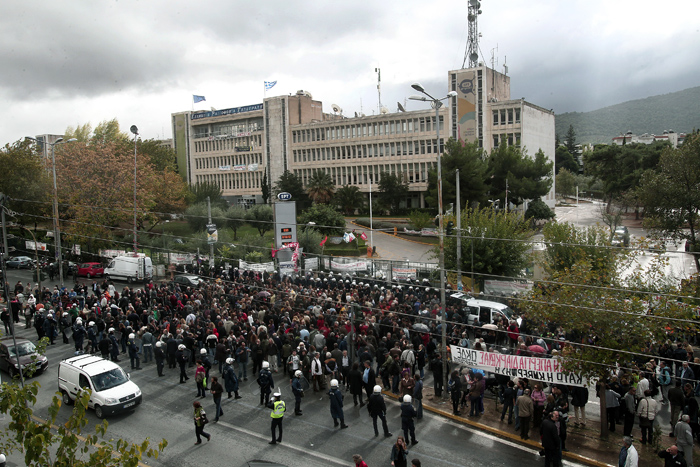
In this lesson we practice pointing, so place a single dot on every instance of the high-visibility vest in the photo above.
(278, 410)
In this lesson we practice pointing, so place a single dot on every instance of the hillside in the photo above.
(679, 111)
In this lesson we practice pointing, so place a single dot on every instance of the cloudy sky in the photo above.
(72, 62)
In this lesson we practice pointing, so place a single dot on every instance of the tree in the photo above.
(235, 218)
(564, 160)
(500, 242)
(392, 190)
(527, 178)
(81, 132)
(197, 216)
(25, 181)
(420, 219)
(566, 183)
(606, 324)
(63, 444)
(265, 189)
(292, 184)
(327, 220)
(537, 210)
(260, 217)
(162, 157)
(349, 198)
(96, 190)
(310, 240)
(108, 130)
(571, 141)
(320, 187)
(201, 190)
(470, 160)
(671, 194)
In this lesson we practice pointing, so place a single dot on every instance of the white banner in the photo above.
(354, 266)
(403, 273)
(182, 258)
(286, 268)
(112, 253)
(548, 370)
(311, 263)
(35, 246)
(259, 267)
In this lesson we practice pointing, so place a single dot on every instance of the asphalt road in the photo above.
(243, 432)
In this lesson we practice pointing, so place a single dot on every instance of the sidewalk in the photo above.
(584, 444)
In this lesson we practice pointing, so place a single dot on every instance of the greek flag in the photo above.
(198, 98)
(270, 84)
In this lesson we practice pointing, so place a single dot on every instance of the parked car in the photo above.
(188, 280)
(27, 353)
(20, 262)
(91, 270)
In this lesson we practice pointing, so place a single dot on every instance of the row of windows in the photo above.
(365, 130)
(411, 172)
(243, 144)
(404, 148)
(231, 160)
(227, 129)
(499, 116)
(232, 181)
(506, 138)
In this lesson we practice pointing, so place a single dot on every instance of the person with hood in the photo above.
(336, 399)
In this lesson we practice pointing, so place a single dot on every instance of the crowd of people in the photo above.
(341, 332)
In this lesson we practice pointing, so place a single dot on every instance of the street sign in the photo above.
(212, 234)
(284, 196)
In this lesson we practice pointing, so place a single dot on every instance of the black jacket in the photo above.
(376, 404)
(549, 434)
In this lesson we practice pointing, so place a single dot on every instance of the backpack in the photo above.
(665, 377)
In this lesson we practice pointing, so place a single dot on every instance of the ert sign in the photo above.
(284, 196)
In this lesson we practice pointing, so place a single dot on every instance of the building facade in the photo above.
(236, 148)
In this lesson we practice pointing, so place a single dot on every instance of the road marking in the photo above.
(298, 449)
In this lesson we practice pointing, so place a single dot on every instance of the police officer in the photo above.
(278, 408)
(408, 413)
(160, 357)
(181, 359)
(377, 408)
(336, 398)
(134, 352)
(298, 392)
(266, 383)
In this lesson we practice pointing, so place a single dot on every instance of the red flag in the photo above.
(363, 236)
(323, 242)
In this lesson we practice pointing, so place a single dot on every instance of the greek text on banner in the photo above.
(540, 369)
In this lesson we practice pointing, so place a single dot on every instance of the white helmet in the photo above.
(110, 330)
(132, 336)
(65, 313)
(203, 351)
(407, 399)
(181, 347)
(91, 323)
(266, 365)
(298, 373)
(334, 383)
(377, 389)
(159, 344)
(277, 394)
(79, 321)
(229, 361)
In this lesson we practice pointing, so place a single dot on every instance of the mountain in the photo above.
(677, 111)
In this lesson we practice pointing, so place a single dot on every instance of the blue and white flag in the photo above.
(198, 98)
(270, 84)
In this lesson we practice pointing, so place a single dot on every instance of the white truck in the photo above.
(130, 268)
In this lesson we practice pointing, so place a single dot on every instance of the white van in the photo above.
(130, 268)
(483, 310)
(112, 390)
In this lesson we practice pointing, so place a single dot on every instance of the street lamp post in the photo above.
(56, 226)
(134, 129)
(437, 103)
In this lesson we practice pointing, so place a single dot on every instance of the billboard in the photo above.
(466, 105)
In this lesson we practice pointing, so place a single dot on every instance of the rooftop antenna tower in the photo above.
(379, 87)
(471, 55)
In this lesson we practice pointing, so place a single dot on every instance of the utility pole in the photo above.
(211, 244)
(459, 238)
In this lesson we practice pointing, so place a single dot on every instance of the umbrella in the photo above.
(491, 327)
(421, 327)
(264, 293)
(536, 349)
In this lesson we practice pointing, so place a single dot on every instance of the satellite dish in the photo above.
(384, 110)
(134, 129)
(401, 109)
(474, 56)
(336, 108)
(213, 109)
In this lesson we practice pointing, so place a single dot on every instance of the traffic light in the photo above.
(449, 227)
